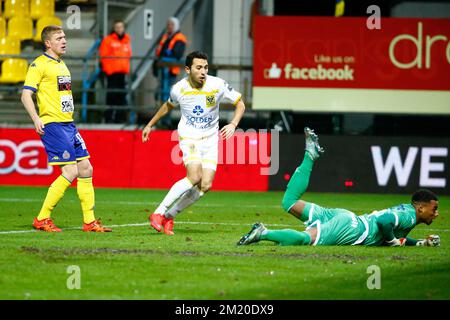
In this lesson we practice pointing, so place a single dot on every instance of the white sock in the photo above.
(177, 190)
(191, 196)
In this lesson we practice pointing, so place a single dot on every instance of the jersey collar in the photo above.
(57, 60)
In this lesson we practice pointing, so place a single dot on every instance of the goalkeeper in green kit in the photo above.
(326, 226)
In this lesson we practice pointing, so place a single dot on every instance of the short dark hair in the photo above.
(195, 55)
(48, 31)
(423, 195)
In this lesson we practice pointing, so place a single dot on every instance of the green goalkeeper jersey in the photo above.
(405, 221)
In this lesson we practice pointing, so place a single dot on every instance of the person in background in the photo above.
(172, 45)
(116, 44)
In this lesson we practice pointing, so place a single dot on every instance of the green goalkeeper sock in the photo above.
(287, 237)
(298, 184)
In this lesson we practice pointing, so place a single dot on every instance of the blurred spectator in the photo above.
(116, 44)
(172, 45)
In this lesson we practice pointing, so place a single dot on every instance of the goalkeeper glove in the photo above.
(397, 242)
(430, 241)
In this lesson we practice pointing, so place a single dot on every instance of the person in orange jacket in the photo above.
(172, 45)
(116, 44)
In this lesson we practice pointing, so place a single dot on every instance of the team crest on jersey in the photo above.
(64, 83)
(210, 101)
(66, 155)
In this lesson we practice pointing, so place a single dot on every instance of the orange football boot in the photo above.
(157, 221)
(46, 225)
(95, 226)
(168, 227)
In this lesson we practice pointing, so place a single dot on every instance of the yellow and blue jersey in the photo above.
(50, 79)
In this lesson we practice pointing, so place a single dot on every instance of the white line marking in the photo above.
(180, 222)
(205, 205)
(17, 231)
(147, 203)
(148, 224)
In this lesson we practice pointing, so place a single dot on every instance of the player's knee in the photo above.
(205, 186)
(287, 203)
(85, 169)
(70, 172)
(195, 179)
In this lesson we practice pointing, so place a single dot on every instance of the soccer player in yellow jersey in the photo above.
(198, 96)
(49, 77)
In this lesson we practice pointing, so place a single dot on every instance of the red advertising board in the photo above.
(345, 53)
(120, 159)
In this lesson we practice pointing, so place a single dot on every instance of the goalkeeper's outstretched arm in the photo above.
(411, 242)
(386, 225)
(433, 240)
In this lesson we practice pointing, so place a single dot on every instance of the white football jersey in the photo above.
(200, 107)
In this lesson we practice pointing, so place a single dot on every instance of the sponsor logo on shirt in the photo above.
(194, 121)
(197, 121)
(64, 83)
(197, 110)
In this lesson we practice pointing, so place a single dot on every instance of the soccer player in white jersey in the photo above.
(198, 95)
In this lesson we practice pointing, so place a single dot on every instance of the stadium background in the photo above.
(385, 132)
(382, 106)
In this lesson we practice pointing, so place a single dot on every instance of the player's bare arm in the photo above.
(227, 131)
(163, 110)
(27, 100)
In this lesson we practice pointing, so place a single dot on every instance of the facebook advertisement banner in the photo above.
(326, 64)
(369, 164)
(121, 160)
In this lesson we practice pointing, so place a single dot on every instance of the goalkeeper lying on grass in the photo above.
(327, 226)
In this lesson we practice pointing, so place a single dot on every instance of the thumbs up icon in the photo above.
(273, 73)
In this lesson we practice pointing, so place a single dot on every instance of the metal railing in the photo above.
(142, 69)
(88, 79)
(92, 104)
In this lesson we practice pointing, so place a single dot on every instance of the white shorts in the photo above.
(204, 150)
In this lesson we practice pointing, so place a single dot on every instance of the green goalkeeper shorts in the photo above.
(335, 226)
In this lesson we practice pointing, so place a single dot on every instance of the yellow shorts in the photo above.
(204, 150)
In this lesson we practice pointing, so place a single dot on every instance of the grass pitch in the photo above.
(202, 260)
